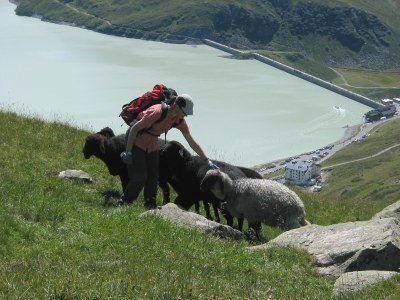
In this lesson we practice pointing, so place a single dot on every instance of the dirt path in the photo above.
(80, 11)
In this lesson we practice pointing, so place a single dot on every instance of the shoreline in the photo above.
(352, 133)
(349, 134)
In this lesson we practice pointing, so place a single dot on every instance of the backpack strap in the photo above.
(164, 111)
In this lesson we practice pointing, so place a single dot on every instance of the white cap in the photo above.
(185, 102)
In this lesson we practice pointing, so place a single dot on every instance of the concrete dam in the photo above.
(322, 83)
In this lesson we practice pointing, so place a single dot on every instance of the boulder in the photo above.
(75, 175)
(195, 221)
(392, 211)
(353, 282)
(341, 248)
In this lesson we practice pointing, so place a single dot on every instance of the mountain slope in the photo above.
(361, 33)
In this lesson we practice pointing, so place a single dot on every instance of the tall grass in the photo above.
(64, 239)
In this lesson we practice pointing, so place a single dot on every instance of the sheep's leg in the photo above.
(228, 217)
(165, 191)
(124, 181)
(216, 213)
(240, 224)
(206, 208)
(256, 228)
(258, 231)
(208, 212)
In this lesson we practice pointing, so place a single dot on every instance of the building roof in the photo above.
(299, 166)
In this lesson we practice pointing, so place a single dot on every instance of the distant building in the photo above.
(301, 173)
(380, 112)
(397, 100)
(387, 101)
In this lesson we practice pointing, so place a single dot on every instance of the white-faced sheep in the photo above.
(265, 201)
(184, 172)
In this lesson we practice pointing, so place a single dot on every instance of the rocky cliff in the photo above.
(334, 33)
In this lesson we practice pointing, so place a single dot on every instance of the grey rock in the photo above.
(392, 211)
(75, 175)
(192, 220)
(341, 248)
(353, 282)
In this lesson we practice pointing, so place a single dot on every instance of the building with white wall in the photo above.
(301, 172)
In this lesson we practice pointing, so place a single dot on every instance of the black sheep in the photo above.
(185, 172)
(108, 148)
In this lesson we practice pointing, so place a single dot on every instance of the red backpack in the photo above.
(159, 95)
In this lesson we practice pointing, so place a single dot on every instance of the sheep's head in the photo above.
(94, 145)
(215, 181)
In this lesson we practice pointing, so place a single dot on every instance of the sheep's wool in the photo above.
(260, 200)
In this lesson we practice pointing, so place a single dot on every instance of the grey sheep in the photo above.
(184, 173)
(265, 201)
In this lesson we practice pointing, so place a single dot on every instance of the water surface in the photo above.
(246, 112)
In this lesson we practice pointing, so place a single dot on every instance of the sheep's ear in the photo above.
(181, 153)
(224, 181)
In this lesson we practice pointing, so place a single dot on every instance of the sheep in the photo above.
(108, 148)
(265, 201)
(184, 173)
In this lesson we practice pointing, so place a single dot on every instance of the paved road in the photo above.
(370, 156)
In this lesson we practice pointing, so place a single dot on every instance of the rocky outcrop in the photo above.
(255, 28)
(347, 247)
(353, 28)
(173, 213)
(353, 282)
(392, 211)
(358, 253)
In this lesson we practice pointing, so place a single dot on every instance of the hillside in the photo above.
(353, 33)
(66, 240)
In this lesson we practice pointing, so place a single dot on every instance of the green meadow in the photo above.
(63, 239)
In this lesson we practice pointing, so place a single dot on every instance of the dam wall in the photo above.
(315, 80)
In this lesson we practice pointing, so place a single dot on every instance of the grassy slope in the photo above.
(373, 84)
(62, 239)
(300, 62)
